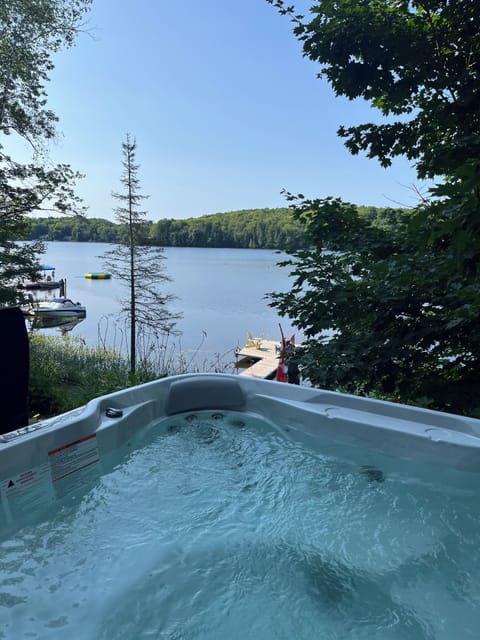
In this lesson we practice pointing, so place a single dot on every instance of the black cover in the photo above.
(14, 369)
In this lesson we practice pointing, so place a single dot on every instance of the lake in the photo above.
(221, 293)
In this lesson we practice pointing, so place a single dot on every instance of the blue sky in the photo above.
(225, 110)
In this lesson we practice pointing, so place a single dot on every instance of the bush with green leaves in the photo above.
(401, 299)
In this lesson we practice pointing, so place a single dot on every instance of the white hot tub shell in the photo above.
(48, 451)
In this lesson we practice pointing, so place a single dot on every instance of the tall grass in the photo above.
(65, 373)
(159, 350)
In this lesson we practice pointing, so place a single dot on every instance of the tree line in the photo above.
(267, 228)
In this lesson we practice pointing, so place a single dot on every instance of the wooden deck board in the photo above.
(265, 355)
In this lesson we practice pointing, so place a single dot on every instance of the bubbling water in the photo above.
(221, 525)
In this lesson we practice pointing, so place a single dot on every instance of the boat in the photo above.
(56, 307)
(98, 276)
(46, 282)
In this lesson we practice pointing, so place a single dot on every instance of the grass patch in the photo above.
(65, 373)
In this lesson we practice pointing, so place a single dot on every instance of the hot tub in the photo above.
(215, 506)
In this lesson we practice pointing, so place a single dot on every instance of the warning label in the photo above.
(73, 456)
(26, 481)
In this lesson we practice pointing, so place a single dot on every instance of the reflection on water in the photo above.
(63, 324)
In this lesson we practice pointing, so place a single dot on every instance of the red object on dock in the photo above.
(282, 373)
(286, 345)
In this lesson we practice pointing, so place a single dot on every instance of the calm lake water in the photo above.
(219, 291)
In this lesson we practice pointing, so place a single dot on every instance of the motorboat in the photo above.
(56, 307)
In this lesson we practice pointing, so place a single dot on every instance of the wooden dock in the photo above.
(258, 358)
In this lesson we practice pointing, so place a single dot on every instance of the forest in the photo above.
(245, 229)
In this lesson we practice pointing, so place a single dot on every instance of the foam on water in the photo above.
(218, 525)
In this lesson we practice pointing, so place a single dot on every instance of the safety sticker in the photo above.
(24, 482)
(73, 456)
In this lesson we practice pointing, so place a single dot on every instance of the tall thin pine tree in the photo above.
(139, 266)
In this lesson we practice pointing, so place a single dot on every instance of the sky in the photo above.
(225, 110)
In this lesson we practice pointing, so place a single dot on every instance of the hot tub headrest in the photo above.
(210, 393)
